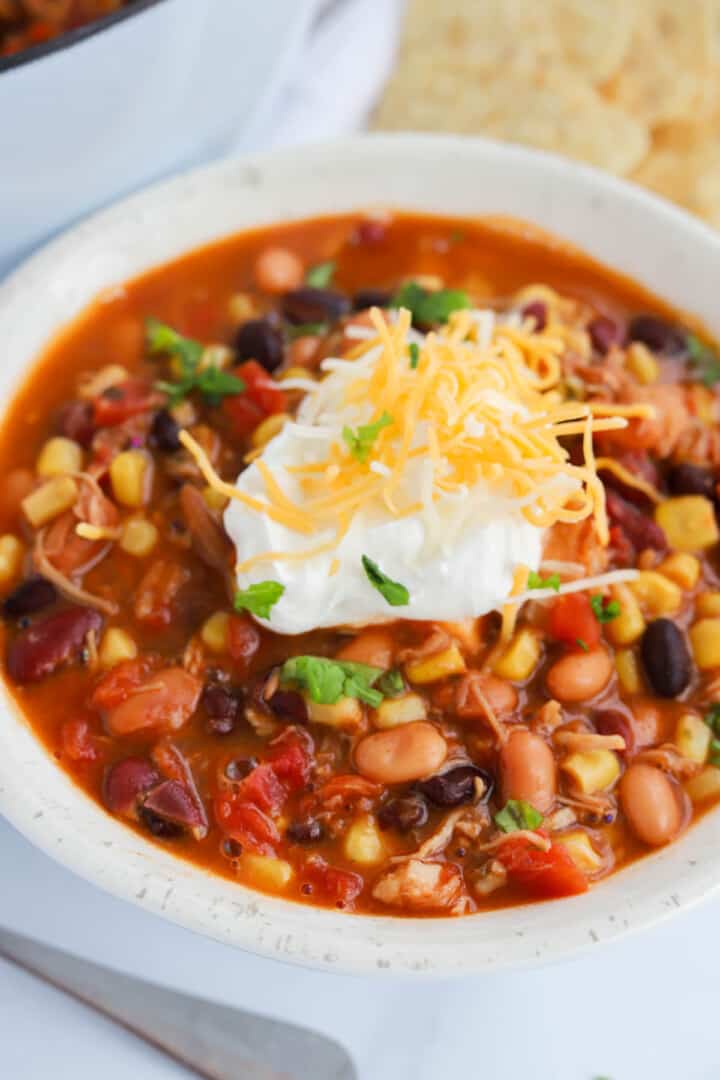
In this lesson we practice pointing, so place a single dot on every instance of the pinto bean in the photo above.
(652, 804)
(167, 701)
(578, 676)
(401, 754)
(277, 270)
(50, 642)
(528, 770)
(374, 646)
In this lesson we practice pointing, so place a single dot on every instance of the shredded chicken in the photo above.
(533, 838)
(580, 741)
(492, 877)
(548, 717)
(668, 758)
(423, 886)
(436, 642)
(64, 585)
(470, 699)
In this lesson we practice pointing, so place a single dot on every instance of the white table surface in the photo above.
(643, 1009)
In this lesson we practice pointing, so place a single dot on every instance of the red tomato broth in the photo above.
(492, 259)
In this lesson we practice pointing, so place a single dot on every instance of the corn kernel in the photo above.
(12, 554)
(139, 537)
(217, 356)
(708, 604)
(579, 847)
(297, 373)
(681, 568)
(54, 497)
(116, 645)
(214, 498)
(641, 363)
(592, 770)
(432, 668)
(657, 594)
(184, 413)
(688, 522)
(705, 641)
(241, 307)
(363, 842)
(131, 477)
(629, 625)
(628, 671)
(520, 658)
(706, 785)
(58, 457)
(266, 871)
(392, 712)
(214, 632)
(268, 429)
(693, 738)
(346, 714)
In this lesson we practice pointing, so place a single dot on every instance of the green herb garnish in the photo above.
(517, 814)
(210, 381)
(712, 719)
(582, 644)
(534, 581)
(414, 350)
(320, 276)
(259, 598)
(604, 610)
(307, 329)
(361, 442)
(391, 683)
(395, 593)
(430, 307)
(327, 681)
(704, 359)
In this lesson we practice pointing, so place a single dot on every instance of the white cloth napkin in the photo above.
(340, 75)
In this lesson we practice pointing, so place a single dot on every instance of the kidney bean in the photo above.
(640, 530)
(616, 722)
(76, 421)
(165, 432)
(308, 305)
(456, 786)
(173, 802)
(125, 783)
(32, 595)
(50, 642)
(367, 298)
(401, 754)
(404, 813)
(578, 676)
(689, 479)
(222, 708)
(309, 831)
(258, 340)
(538, 311)
(657, 334)
(290, 706)
(666, 658)
(604, 333)
(652, 804)
(371, 231)
(528, 771)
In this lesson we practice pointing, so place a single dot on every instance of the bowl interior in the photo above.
(665, 249)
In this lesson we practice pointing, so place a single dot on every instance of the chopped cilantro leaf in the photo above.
(327, 680)
(534, 581)
(414, 350)
(704, 359)
(430, 307)
(307, 329)
(320, 276)
(582, 644)
(604, 610)
(259, 598)
(391, 683)
(395, 593)
(213, 383)
(361, 442)
(517, 814)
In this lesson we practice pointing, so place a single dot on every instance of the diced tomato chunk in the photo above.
(291, 758)
(573, 621)
(77, 741)
(342, 887)
(156, 592)
(541, 874)
(247, 824)
(243, 638)
(263, 788)
(262, 397)
(119, 403)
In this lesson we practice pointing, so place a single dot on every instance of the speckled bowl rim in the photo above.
(672, 253)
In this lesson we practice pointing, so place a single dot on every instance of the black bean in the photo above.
(604, 333)
(455, 786)
(691, 480)
(230, 848)
(222, 708)
(258, 340)
(666, 658)
(165, 432)
(403, 813)
(289, 706)
(536, 310)
(33, 595)
(240, 768)
(304, 832)
(367, 298)
(307, 305)
(657, 334)
(158, 826)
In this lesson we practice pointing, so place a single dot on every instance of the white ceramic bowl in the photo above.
(161, 85)
(622, 226)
